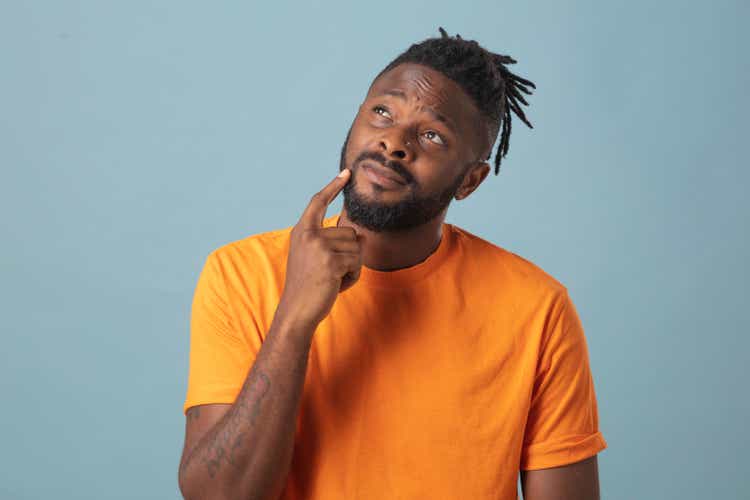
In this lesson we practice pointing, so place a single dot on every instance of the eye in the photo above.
(376, 108)
(435, 134)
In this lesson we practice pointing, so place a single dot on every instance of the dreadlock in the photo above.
(481, 74)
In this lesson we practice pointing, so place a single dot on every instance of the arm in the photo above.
(562, 436)
(576, 481)
(244, 450)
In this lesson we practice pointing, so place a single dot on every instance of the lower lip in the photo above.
(379, 179)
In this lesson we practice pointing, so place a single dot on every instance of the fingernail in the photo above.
(343, 172)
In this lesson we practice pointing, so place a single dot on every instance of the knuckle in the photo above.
(346, 262)
(329, 260)
(308, 235)
(343, 268)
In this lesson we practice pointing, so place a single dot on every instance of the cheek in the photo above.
(433, 177)
(359, 129)
(356, 144)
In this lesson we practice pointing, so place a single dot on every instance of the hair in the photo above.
(483, 75)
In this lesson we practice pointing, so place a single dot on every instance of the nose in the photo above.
(394, 145)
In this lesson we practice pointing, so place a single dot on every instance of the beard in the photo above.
(407, 213)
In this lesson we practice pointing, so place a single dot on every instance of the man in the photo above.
(383, 353)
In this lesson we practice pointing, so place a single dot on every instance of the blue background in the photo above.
(136, 137)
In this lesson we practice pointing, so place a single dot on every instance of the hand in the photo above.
(322, 262)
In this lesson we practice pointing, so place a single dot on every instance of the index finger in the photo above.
(315, 211)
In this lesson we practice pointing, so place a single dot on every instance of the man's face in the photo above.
(420, 127)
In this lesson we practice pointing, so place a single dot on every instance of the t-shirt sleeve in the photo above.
(220, 357)
(563, 424)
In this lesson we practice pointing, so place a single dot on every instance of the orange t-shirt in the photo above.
(440, 380)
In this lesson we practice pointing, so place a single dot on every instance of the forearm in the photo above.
(248, 452)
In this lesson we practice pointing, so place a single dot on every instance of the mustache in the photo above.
(392, 164)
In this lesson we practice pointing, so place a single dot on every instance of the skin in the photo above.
(243, 450)
(579, 480)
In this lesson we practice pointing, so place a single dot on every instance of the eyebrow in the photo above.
(438, 116)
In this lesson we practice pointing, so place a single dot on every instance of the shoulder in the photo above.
(254, 245)
(505, 266)
(258, 258)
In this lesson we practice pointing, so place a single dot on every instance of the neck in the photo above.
(389, 251)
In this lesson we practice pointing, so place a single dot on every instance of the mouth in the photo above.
(383, 176)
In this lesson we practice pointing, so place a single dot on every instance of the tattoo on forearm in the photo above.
(215, 451)
(247, 410)
(192, 414)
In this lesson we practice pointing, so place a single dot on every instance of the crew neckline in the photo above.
(402, 278)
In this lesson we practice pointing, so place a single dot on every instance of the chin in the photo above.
(378, 197)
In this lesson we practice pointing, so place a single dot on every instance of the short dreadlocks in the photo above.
(481, 74)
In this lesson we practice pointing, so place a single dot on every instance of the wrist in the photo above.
(287, 323)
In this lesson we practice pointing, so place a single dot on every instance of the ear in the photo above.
(473, 179)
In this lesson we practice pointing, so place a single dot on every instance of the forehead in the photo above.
(421, 83)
